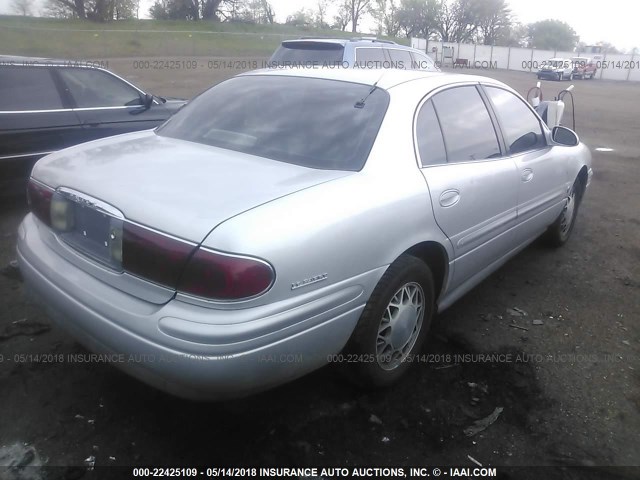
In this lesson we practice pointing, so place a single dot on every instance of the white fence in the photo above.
(467, 55)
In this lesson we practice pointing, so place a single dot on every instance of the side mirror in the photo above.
(565, 136)
(147, 100)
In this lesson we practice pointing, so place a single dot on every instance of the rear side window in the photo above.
(521, 127)
(370, 58)
(400, 58)
(307, 54)
(28, 88)
(429, 137)
(94, 88)
(466, 125)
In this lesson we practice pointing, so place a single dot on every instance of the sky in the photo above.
(613, 21)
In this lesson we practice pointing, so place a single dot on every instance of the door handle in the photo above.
(449, 198)
(527, 175)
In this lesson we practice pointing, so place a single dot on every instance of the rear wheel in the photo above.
(559, 231)
(393, 325)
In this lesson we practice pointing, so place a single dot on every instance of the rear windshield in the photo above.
(307, 54)
(311, 122)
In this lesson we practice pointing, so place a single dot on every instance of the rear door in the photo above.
(35, 119)
(106, 104)
(473, 187)
(371, 57)
(541, 170)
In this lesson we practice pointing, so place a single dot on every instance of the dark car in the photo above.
(47, 105)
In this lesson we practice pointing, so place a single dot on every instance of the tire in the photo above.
(560, 230)
(393, 324)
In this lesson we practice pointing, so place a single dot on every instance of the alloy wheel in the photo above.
(400, 326)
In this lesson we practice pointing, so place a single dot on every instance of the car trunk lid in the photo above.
(174, 186)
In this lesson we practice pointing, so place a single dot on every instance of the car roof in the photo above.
(22, 61)
(383, 78)
(369, 41)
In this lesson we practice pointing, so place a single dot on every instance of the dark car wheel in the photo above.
(393, 325)
(559, 231)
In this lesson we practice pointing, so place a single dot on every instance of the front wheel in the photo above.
(393, 325)
(559, 231)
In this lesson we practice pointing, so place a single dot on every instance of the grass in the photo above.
(78, 39)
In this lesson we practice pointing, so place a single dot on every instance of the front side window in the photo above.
(466, 125)
(311, 122)
(422, 62)
(28, 88)
(521, 127)
(400, 58)
(94, 88)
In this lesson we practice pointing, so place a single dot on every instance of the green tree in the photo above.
(195, 9)
(386, 15)
(95, 10)
(320, 16)
(419, 17)
(22, 7)
(357, 10)
(493, 19)
(552, 35)
(459, 20)
(513, 36)
(343, 16)
(301, 18)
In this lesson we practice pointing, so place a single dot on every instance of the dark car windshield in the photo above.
(305, 121)
(307, 54)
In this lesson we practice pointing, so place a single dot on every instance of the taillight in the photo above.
(61, 213)
(222, 276)
(152, 255)
(39, 198)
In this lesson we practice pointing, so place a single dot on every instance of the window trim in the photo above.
(499, 123)
(67, 91)
(65, 96)
(429, 96)
(417, 144)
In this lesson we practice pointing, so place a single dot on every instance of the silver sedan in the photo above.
(284, 220)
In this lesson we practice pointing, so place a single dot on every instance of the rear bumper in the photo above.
(188, 350)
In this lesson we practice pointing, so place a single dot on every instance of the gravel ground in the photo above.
(569, 388)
